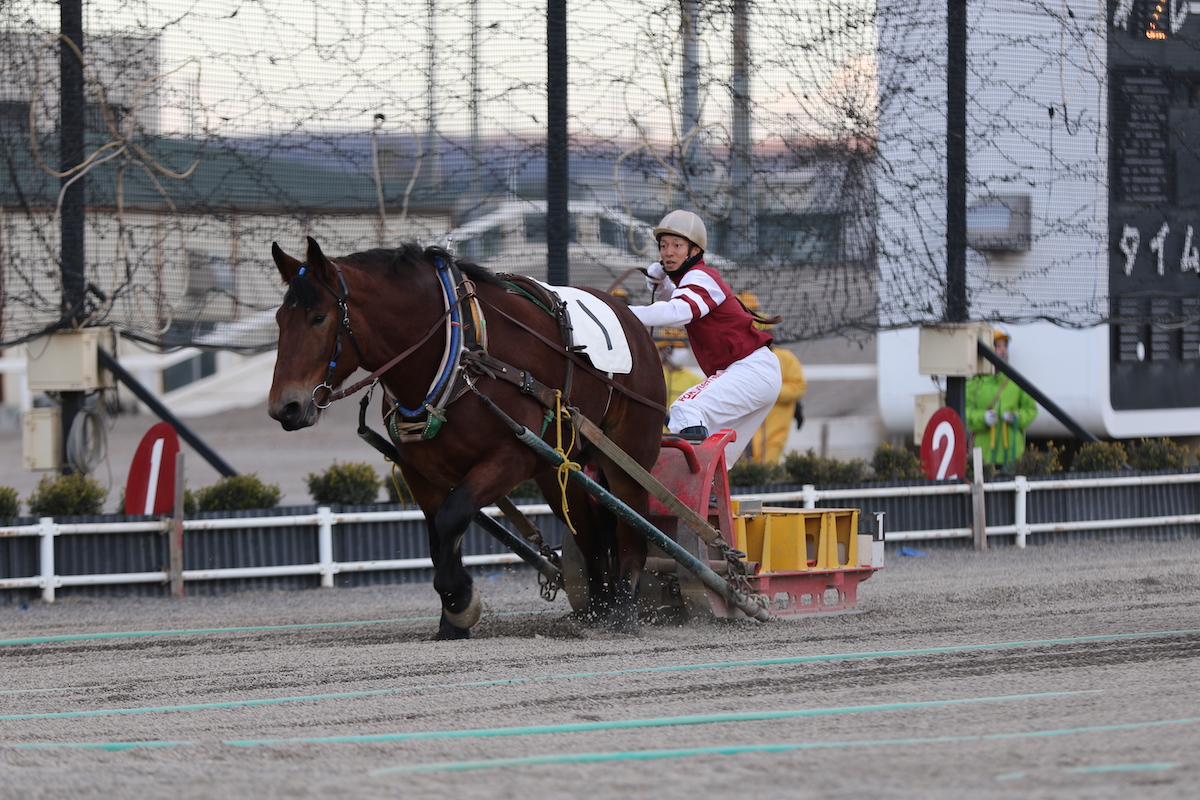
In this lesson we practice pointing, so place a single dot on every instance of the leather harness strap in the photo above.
(575, 357)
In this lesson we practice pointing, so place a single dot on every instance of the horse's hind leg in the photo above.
(630, 549)
(613, 569)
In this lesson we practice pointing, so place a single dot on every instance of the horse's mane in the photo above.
(410, 254)
(303, 291)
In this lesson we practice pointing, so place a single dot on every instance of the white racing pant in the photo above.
(738, 398)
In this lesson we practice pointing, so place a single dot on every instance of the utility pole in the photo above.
(956, 184)
(432, 151)
(689, 123)
(72, 144)
(744, 244)
(476, 178)
(558, 195)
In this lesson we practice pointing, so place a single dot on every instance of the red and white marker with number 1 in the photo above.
(151, 485)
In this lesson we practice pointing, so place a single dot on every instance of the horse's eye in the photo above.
(318, 319)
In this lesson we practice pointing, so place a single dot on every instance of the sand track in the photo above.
(1066, 671)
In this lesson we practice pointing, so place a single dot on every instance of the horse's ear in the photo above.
(316, 259)
(288, 266)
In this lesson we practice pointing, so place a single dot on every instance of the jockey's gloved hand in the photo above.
(656, 278)
(1010, 416)
(991, 417)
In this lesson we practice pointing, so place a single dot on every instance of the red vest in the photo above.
(726, 333)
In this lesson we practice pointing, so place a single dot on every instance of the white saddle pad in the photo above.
(596, 330)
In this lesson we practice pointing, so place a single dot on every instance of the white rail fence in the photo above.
(324, 519)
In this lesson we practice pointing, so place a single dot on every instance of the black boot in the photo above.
(696, 433)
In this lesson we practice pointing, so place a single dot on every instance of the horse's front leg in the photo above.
(461, 605)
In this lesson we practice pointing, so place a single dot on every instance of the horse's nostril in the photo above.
(289, 413)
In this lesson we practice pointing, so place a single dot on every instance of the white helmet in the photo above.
(685, 224)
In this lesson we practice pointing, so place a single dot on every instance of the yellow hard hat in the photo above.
(622, 294)
(1000, 334)
(670, 337)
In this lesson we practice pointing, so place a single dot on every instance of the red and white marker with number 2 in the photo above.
(151, 485)
(944, 446)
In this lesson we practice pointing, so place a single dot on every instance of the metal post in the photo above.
(743, 230)
(476, 177)
(689, 124)
(164, 413)
(1037, 394)
(72, 144)
(956, 184)
(325, 545)
(431, 145)
(558, 195)
(1019, 505)
(47, 530)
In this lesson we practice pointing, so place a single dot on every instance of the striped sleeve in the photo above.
(700, 292)
(696, 295)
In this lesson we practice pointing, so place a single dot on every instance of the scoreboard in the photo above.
(1154, 204)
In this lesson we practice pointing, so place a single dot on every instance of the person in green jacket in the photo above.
(999, 411)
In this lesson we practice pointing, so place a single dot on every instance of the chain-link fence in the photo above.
(806, 134)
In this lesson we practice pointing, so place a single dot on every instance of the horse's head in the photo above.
(315, 351)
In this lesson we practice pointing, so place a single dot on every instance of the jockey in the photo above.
(743, 376)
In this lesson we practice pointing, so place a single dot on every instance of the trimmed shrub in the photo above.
(989, 470)
(10, 503)
(1099, 457)
(65, 495)
(812, 468)
(351, 484)
(754, 473)
(1034, 462)
(238, 493)
(895, 464)
(1157, 454)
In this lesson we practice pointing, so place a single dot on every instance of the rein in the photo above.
(338, 395)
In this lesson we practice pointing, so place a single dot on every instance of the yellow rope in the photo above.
(397, 483)
(567, 466)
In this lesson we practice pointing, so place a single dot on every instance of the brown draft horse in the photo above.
(363, 310)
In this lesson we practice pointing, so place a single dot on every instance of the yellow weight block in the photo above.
(748, 536)
(792, 540)
(840, 538)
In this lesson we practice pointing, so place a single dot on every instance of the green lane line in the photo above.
(578, 727)
(759, 662)
(653, 722)
(653, 755)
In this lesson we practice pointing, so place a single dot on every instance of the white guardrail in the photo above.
(323, 519)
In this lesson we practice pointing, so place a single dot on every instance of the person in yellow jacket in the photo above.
(999, 411)
(672, 349)
(766, 446)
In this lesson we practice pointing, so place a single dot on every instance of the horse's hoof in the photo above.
(448, 631)
(624, 622)
(469, 615)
